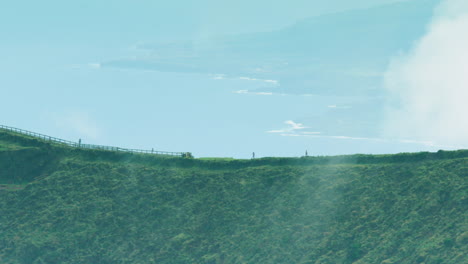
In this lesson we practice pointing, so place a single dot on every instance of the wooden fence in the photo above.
(90, 146)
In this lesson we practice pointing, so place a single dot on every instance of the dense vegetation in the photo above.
(64, 205)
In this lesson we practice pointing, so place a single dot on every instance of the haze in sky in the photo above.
(227, 78)
(430, 82)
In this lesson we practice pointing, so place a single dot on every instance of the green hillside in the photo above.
(67, 205)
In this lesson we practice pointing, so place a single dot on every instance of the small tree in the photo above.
(187, 155)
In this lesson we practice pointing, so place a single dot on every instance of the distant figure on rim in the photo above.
(253, 155)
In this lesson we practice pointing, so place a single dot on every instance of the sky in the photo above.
(228, 78)
(105, 20)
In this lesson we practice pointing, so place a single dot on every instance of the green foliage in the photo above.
(88, 206)
(187, 155)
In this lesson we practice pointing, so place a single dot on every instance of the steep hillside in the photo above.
(65, 205)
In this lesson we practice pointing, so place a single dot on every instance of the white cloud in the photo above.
(293, 129)
(247, 79)
(242, 92)
(278, 94)
(271, 82)
(219, 77)
(423, 143)
(290, 135)
(294, 125)
(275, 82)
(429, 84)
(268, 82)
(276, 131)
(339, 106)
(255, 93)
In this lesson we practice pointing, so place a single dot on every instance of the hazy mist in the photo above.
(428, 85)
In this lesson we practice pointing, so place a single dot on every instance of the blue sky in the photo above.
(216, 78)
(154, 19)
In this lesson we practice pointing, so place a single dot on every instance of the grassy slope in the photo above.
(101, 207)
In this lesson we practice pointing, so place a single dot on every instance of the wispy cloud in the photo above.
(242, 92)
(294, 125)
(264, 93)
(293, 128)
(384, 140)
(272, 82)
(255, 93)
(338, 106)
(219, 77)
(275, 82)
(247, 78)
(244, 78)
(267, 82)
(429, 84)
(310, 133)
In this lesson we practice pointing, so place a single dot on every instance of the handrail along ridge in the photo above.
(90, 146)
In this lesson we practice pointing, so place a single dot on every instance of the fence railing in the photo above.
(91, 146)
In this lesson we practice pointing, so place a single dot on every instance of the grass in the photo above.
(87, 206)
(216, 158)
